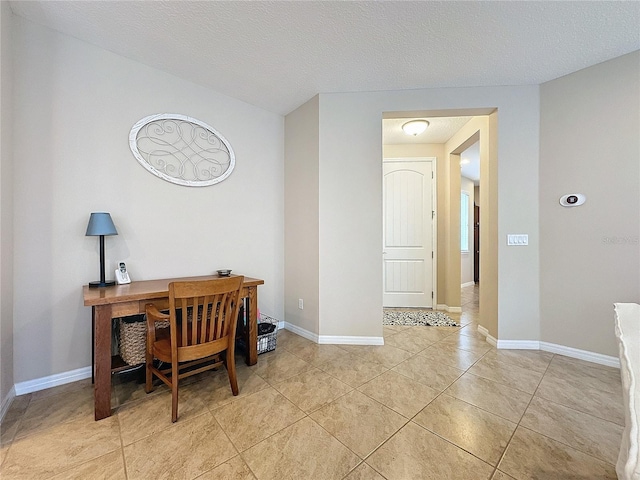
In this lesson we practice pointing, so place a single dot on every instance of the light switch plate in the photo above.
(518, 239)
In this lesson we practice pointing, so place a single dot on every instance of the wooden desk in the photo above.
(108, 303)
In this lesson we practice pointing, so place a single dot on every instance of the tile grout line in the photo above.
(124, 459)
(521, 417)
(411, 419)
(570, 408)
(449, 441)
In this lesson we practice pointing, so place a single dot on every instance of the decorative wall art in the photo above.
(181, 150)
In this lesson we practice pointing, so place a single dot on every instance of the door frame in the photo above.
(434, 228)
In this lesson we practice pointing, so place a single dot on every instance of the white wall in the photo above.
(351, 202)
(74, 107)
(590, 255)
(301, 216)
(466, 258)
(6, 205)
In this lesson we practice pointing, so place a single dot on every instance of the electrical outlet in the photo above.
(300, 304)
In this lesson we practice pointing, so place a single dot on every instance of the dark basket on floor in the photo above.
(267, 341)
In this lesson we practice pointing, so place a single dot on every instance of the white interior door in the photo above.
(408, 217)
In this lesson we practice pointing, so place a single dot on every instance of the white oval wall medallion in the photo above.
(182, 150)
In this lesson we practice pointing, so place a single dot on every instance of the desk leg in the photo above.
(93, 346)
(252, 326)
(102, 360)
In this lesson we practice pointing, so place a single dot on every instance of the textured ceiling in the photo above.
(440, 130)
(277, 55)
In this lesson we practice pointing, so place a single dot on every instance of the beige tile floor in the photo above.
(433, 403)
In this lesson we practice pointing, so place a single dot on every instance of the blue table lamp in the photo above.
(100, 224)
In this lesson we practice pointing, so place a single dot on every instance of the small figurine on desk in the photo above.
(122, 276)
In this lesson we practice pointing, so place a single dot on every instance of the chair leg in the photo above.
(174, 391)
(230, 363)
(148, 387)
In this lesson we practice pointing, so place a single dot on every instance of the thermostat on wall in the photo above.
(572, 200)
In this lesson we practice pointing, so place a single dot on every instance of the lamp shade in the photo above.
(100, 223)
(415, 127)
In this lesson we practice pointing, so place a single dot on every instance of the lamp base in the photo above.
(101, 284)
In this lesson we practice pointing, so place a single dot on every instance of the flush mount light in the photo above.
(415, 127)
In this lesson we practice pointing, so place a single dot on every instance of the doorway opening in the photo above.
(470, 216)
(446, 141)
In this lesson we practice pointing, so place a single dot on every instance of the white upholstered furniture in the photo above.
(627, 325)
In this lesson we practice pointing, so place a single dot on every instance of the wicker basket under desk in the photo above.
(132, 337)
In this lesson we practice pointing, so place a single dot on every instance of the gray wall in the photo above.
(6, 207)
(351, 199)
(301, 245)
(590, 255)
(74, 106)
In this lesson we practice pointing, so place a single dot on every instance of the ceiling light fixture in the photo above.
(415, 127)
(465, 161)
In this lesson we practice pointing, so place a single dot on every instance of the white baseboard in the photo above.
(301, 331)
(55, 380)
(350, 340)
(447, 308)
(491, 340)
(468, 284)
(585, 355)
(6, 402)
(333, 339)
(518, 345)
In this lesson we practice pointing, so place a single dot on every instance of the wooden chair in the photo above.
(202, 329)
